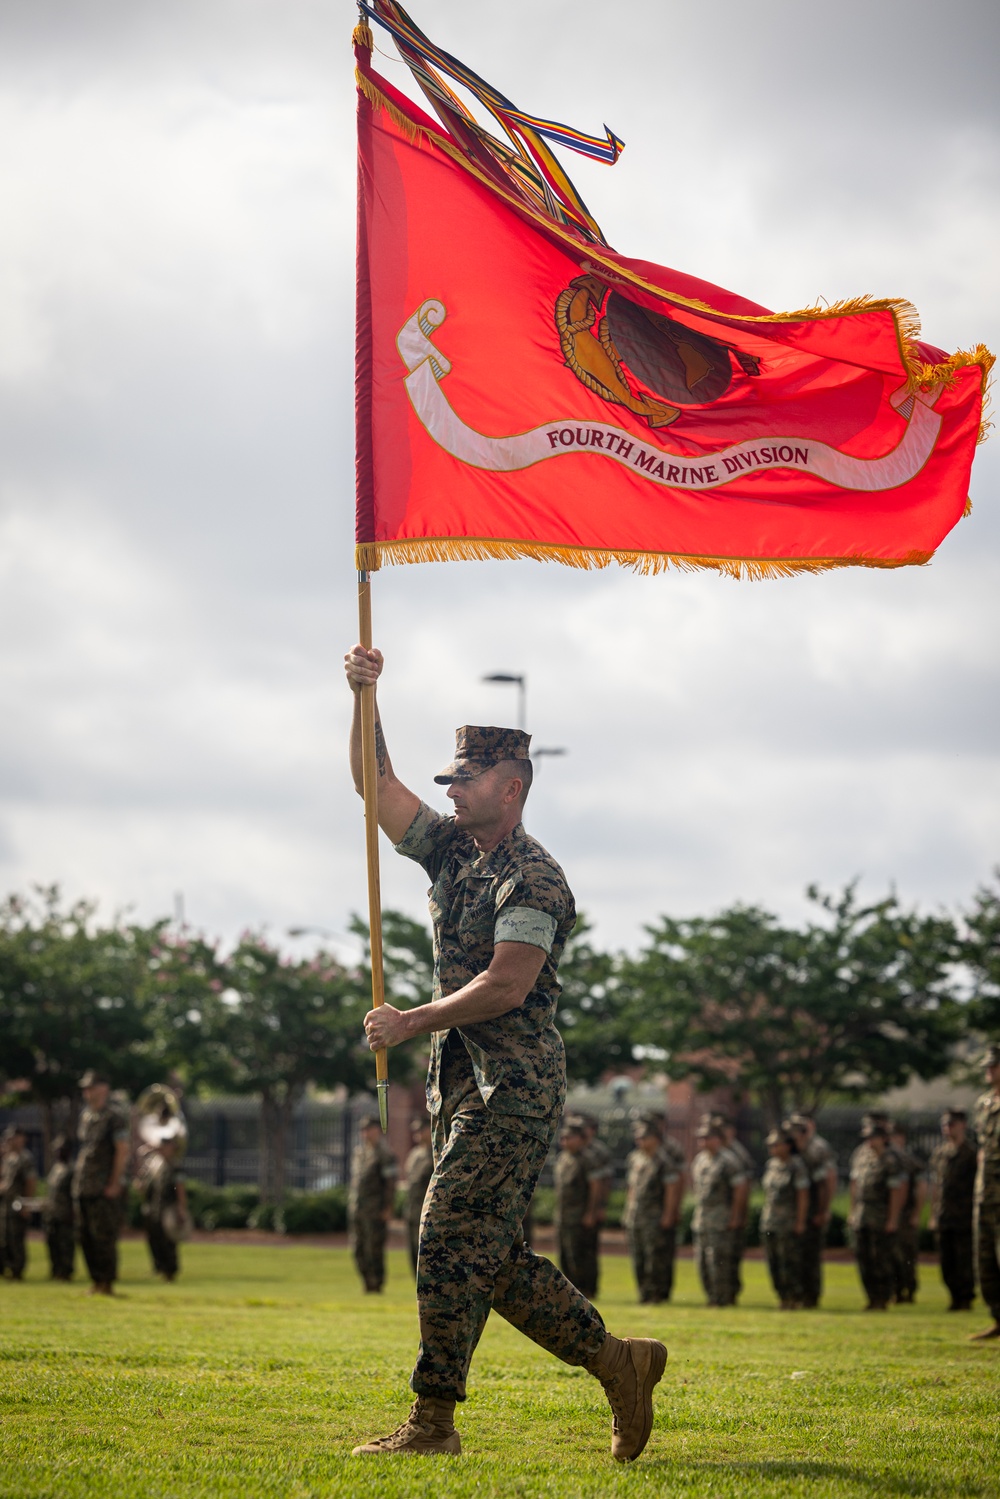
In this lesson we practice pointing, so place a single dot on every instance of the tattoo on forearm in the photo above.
(380, 753)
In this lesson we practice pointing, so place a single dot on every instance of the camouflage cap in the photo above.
(953, 1116)
(92, 1077)
(573, 1124)
(991, 1056)
(709, 1126)
(419, 1122)
(646, 1125)
(477, 748)
(874, 1130)
(367, 1120)
(12, 1131)
(796, 1121)
(779, 1137)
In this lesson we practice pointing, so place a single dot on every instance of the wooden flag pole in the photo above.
(370, 769)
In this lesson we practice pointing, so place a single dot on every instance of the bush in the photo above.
(315, 1212)
(221, 1207)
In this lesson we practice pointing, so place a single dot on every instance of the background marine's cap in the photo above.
(91, 1078)
(367, 1120)
(991, 1057)
(477, 748)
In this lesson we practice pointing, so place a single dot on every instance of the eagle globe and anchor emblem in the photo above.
(640, 359)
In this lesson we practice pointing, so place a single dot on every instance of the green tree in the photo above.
(981, 953)
(851, 1004)
(596, 1016)
(283, 1025)
(71, 997)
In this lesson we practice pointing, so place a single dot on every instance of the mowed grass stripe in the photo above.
(257, 1371)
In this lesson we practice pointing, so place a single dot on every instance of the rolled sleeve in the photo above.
(426, 838)
(523, 924)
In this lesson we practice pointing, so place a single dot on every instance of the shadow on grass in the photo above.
(877, 1482)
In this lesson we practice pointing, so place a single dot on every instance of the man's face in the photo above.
(481, 801)
(712, 1143)
(649, 1144)
(572, 1142)
(371, 1133)
(953, 1129)
(96, 1095)
(877, 1143)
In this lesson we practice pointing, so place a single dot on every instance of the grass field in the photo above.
(256, 1372)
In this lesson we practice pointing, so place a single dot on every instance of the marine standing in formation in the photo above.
(57, 1211)
(821, 1163)
(784, 1216)
(370, 1200)
(721, 1188)
(735, 1146)
(417, 1173)
(655, 1185)
(164, 1207)
(953, 1185)
(878, 1191)
(906, 1248)
(599, 1173)
(987, 1206)
(98, 1180)
(501, 912)
(18, 1180)
(572, 1199)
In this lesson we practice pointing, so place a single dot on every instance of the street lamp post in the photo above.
(522, 692)
(538, 755)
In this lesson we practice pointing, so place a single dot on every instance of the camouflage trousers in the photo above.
(578, 1256)
(162, 1249)
(473, 1258)
(811, 1271)
(904, 1263)
(987, 1229)
(717, 1265)
(784, 1262)
(368, 1234)
(13, 1227)
(957, 1264)
(873, 1248)
(60, 1240)
(98, 1222)
(652, 1249)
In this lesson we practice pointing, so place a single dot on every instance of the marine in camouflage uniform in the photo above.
(502, 912)
(735, 1146)
(784, 1216)
(369, 1203)
(907, 1245)
(164, 1208)
(17, 1183)
(821, 1163)
(417, 1172)
(57, 1212)
(655, 1183)
(572, 1198)
(721, 1187)
(103, 1136)
(878, 1188)
(953, 1184)
(599, 1176)
(986, 1222)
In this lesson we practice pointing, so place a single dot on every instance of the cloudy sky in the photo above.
(176, 583)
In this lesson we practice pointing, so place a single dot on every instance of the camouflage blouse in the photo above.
(514, 893)
(782, 1182)
(988, 1130)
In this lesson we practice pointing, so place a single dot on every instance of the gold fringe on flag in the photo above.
(372, 555)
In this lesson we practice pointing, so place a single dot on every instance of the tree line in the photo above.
(858, 998)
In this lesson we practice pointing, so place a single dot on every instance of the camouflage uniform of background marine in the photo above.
(98, 1217)
(651, 1246)
(819, 1161)
(572, 1195)
(159, 1211)
(57, 1212)
(495, 1092)
(987, 1203)
(713, 1181)
(417, 1173)
(906, 1248)
(782, 1181)
(599, 1169)
(875, 1178)
(371, 1194)
(17, 1179)
(736, 1147)
(953, 1185)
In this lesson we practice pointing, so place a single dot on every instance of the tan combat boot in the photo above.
(428, 1429)
(628, 1368)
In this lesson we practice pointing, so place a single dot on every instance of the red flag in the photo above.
(524, 391)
